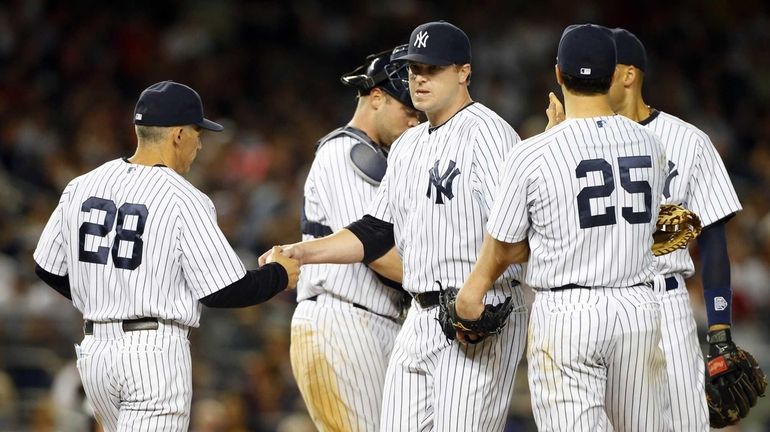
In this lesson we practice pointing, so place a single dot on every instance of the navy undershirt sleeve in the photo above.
(60, 283)
(257, 286)
(375, 234)
(715, 265)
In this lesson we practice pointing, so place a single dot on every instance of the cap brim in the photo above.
(210, 125)
(420, 58)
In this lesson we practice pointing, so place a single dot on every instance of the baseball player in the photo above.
(697, 179)
(138, 250)
(344, 326)
(584, 197)
(432, 204)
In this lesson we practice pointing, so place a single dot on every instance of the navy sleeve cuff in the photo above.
(375, 235)
(257, 286)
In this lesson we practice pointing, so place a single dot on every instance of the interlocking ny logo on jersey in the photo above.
(443, 183)
(421, 40)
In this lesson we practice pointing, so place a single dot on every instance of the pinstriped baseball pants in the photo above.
(595, 353)
(435, 385)
(685, 367)
(139, 380)
(339, 354)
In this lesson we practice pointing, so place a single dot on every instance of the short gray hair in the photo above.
(151, 133)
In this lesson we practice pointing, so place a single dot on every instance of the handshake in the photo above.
(283, 255)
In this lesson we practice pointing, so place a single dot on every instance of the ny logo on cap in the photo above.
(421, 39)
(585, 71)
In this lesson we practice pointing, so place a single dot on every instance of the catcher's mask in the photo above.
(383, 70)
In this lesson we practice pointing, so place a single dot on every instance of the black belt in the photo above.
(355, 305)
(359, 306)
(570, 286)
(128, 325)
(430, 299)
(427, 299)
(671, 284)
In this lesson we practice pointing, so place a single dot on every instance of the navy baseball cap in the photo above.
(587, 51)
(630, 49)
(169, 103)
(438, 43)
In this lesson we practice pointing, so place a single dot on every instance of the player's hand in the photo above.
(289, 264)
(468, 308)
(289, 251)
(293, 251)
(554, 112)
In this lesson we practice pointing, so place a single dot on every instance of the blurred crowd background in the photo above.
(71, 72)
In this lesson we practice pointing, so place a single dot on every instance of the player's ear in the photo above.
(624, 74)
(177, 133)
(464, 73)
(376, 98)
(633, 76)
(557, 71)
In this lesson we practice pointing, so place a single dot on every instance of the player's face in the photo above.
(394, 118)
(188, 148)
(433, 88)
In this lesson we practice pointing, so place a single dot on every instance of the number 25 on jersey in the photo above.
(128, 212)
(625, 165)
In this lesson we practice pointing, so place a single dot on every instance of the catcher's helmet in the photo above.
(383, 70)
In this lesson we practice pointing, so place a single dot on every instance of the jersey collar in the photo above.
(653, 115)
(433, 129)
(125, 159)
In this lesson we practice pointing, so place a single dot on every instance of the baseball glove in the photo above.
(491, 321)
(676, 226)
(733, 380)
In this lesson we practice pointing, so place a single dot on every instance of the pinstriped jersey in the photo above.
(335, 196)
(438, 191)
(137, 241)
(697, 179)
(586, 194)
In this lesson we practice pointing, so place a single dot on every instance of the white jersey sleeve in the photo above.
(51, 251)
(711, 195)
(208, 261)
(492, 145)
(697, 177)
(509, 218)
